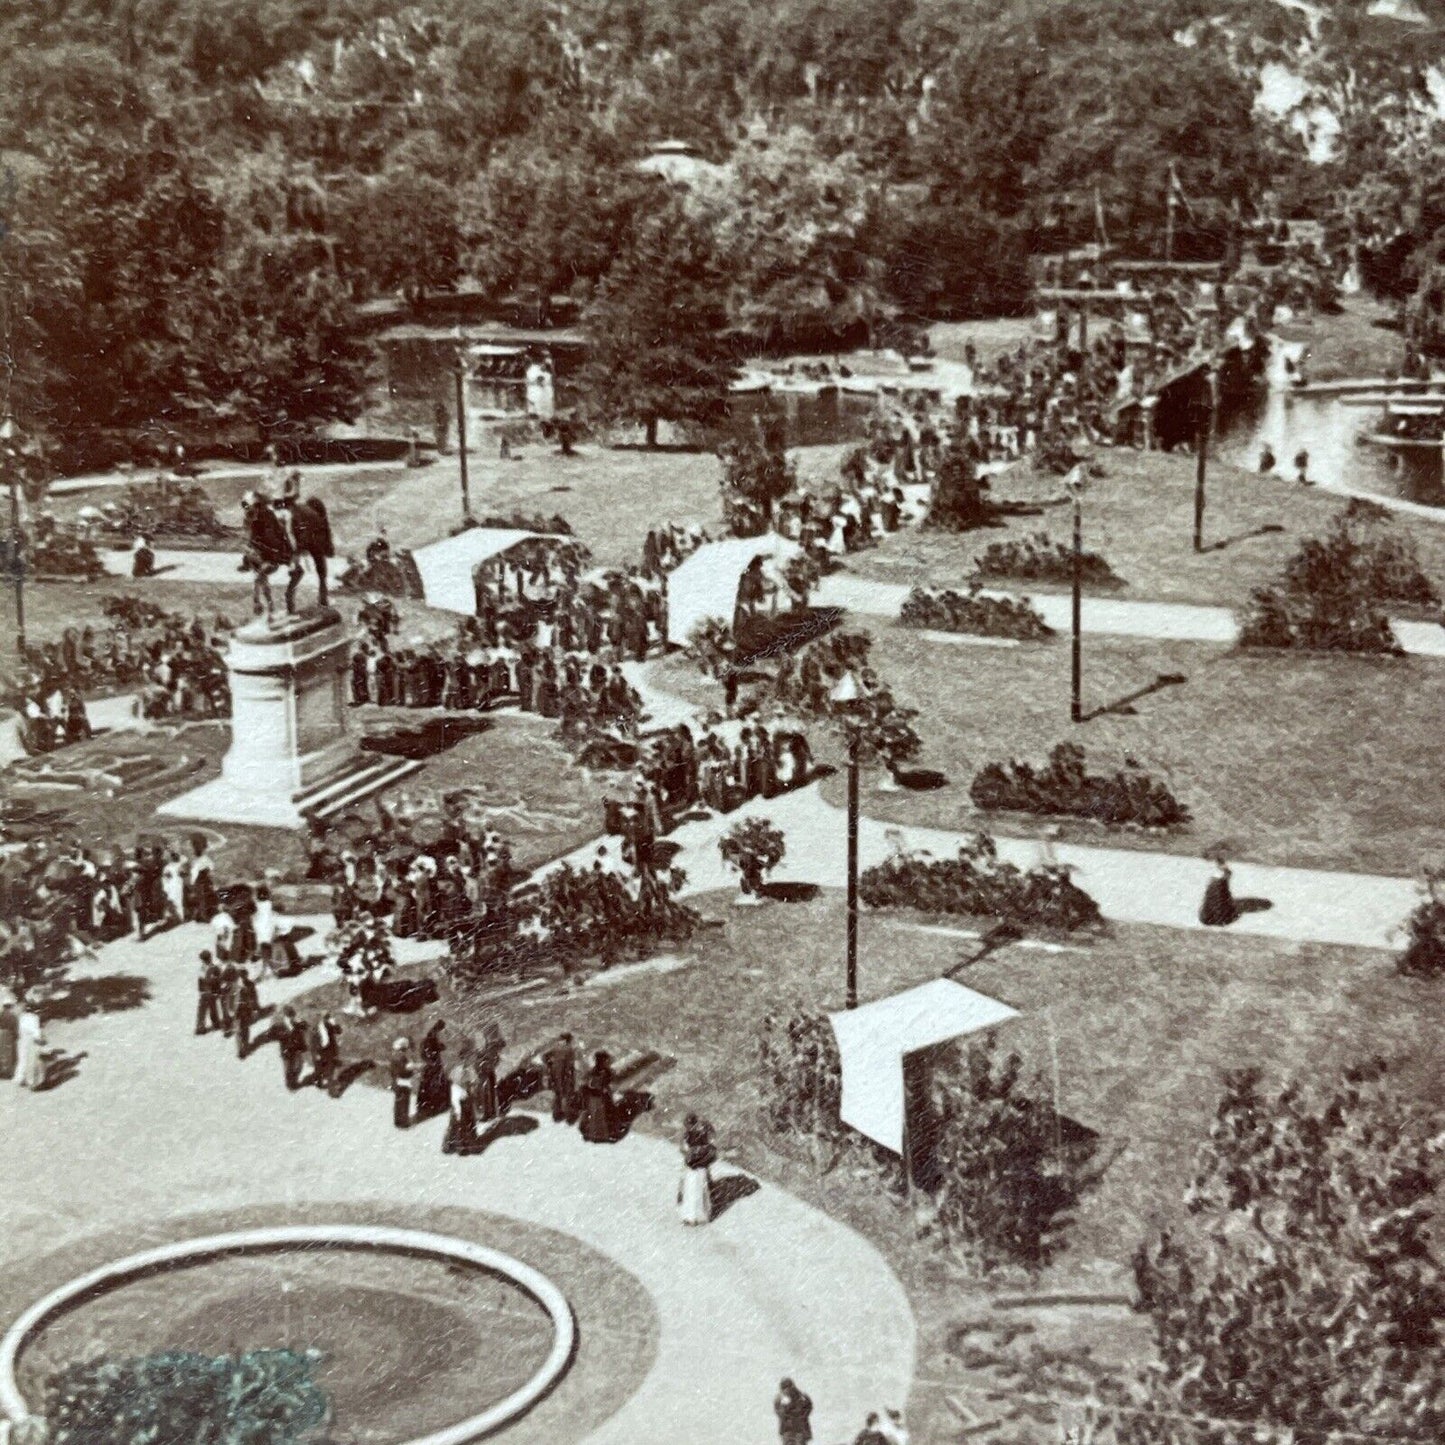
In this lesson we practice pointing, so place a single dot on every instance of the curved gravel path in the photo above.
(158, 1122)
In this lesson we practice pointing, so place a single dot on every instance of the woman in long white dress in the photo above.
(694, 1193)
(173, 886)
(30, 1068)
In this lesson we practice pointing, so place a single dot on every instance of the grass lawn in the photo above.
(1352, 343)
(1141, 1022)
(1140, 516)
(410, 1384)
(1311, 761)
(518, 778)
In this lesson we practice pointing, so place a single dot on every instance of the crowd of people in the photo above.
(173, 664)
(584, 691)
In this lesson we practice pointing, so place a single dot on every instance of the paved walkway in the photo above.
(158, 1122)
(1104, 616)
(223, 472)
(107, 714)
(183, 566)
(1130, 885)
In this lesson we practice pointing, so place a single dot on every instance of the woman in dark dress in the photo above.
(403, 1082)
(1218, 908)
(434, 1095)
(596, 1115)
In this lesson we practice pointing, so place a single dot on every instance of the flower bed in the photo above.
(984, 616)
(1128, 795)
(1041, 559)
(978, 884)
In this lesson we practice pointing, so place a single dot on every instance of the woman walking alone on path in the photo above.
(699, 1154)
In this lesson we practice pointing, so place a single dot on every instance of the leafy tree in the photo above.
(397, 232)
(801, 1077)
(757, 475)
(959, 501)
(800, 226)
(754, 847)
(1006, 1172)
(656, 325)
(264, 1397)
(547, 214)
(284, 350)
(1302, 1293)
(111, 257)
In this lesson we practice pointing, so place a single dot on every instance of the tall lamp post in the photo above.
(1074, 485)
(1201, 456)
(461, 380)
(846, 696)
(16, 549)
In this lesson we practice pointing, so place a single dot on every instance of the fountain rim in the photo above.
(381, 1238)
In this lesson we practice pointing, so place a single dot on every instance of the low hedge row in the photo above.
(979, 884)
(973, 612)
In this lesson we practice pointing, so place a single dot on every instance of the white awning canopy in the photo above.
(446, 567)
(705, 586)
(874, 1040)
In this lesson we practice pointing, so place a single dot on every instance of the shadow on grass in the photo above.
(509, 1126)
(1124, 706)
(1269, 529)
(731, 1189)
(1000, 936)
(790, 892)
(85, 997)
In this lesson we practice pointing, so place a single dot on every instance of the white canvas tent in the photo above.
(874, 1041)
(446, 567)
(705, 586)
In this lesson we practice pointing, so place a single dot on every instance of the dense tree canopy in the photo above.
(868, 160)
(1303, 1292)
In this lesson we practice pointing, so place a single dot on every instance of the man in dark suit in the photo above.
(325, 1053)
(208, 982)
(245, 1010)
(291, 1035)
(559, 1060)
(226, 978)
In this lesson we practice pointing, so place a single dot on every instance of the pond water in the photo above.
(1329, 431)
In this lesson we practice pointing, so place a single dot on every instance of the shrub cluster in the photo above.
(1039, 558)
(1424, 952)
(753, 847)
(951, 611)
(979, 884)
(63, 554)
(1065, 786)
(1330, 596)
(960, 500)
(553, 526)
(1005, 1173)
(570, 915)
(164, 508)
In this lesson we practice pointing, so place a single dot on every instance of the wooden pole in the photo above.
(461, 378)
(850, 997)
(17, 549)
(1076, 679)
(1201, 461)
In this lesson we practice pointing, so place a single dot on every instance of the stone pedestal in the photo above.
(291, 754)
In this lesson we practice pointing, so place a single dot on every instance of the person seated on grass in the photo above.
(142, 560)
